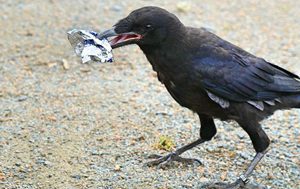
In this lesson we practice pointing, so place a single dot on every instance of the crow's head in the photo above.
(144, 26)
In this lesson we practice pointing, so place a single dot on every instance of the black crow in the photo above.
(210, 76)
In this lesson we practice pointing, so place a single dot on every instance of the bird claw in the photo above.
(239, 184)
(162, 161)
(154, 156)
(221, 185)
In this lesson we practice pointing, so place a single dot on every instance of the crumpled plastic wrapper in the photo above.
(89, 47)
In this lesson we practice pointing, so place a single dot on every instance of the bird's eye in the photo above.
(148, 26)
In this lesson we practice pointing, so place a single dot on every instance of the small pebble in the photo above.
(22, 98)
(117, 168)
(78, 177)
(66, 64)
(183, 7)
(116, 8)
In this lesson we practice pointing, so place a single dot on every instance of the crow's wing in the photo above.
(236, 75)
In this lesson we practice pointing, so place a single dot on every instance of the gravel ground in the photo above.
(67, 125)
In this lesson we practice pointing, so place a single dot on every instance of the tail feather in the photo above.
(296, 102)
(291, 101)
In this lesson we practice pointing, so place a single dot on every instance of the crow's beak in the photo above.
(119, 39)
(108, 33)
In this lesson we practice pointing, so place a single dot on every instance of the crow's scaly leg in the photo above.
(243, 179)
(260, 142)
(252, 166)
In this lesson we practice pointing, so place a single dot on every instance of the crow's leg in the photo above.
(251, 167)
(242, 181)
(207, 131)
(260, 142)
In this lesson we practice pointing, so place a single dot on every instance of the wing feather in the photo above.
(244, 77)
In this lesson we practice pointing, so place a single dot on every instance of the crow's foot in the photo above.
(239, 184)
(220, 185)
(165, 160)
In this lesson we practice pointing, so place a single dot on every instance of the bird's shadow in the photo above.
(224, 185)
(174, 165)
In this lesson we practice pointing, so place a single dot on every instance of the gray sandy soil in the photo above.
(68, 125)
